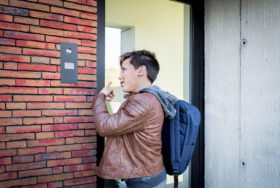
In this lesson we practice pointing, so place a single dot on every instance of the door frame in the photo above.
(197, 71)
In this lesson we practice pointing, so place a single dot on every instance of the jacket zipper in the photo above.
(121, 142)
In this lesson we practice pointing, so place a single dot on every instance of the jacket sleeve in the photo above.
(129, 118)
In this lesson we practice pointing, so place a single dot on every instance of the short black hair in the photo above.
(143, 57)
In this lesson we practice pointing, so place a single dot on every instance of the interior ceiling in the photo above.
(122, 13)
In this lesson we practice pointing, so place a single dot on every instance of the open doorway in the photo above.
(161, 26)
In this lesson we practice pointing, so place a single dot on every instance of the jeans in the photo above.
(155, 181)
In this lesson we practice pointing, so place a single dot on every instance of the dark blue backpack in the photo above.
(179, 137)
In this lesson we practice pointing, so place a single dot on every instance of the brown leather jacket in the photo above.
(133, 145)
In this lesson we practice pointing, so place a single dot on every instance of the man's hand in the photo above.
(108, 92)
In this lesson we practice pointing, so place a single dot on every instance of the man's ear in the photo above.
(142, 70)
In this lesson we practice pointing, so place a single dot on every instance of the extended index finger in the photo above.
(108, 85)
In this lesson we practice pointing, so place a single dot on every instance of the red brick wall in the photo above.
(47, 138)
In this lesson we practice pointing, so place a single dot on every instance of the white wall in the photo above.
(242, 94)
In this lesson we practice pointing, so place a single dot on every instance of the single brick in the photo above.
(48, 156)
(86, 84)
(45, 60)
(27, 166)
(40, 52)
(16, 144)
(79, 35)
(87, 126)
(13, 10)
(64, 148)
(15, 58)
(2, 106)
(58, 25)
(57, 83)
(44, 135)
(29, 5)
(16, 105)
(69, 133)
(51, 90)
(19, 74)
(8, 137)
(89, 43)
(52, 2)
(26, 98)
(90, 132)
(78, 105)
(89, 159)
(85, 112)
(45, 105)
(78, 119)
(86, 77)
(10, 121)
(80, 7)
(32, 151)
(88, 16)
(23, 90)
(47, 31)
(8, 152)
(51, 76)
(59, 127)
(79, 21)
(64, 162)
(35, 67)
(4, 41)
(76, 140)
(92, 3)
(6, 114)
(23, 159)
(70, 98)
(47, 142)
(85, 173)
(27, 113)
(65, 11)
(29, 21)
(39, 83)
(2, 130)
(80, 181)
(13, 26)
(59, 112)
(8, 176)
(87, 50)
(42, 120)
(10, 50)
(87, 30)
(84, 153)
(87, 57)
(7, 82)
(47, 16)
(33, 44)
(25, 36)
(10, 66)
(72, 168)
(37, 172)
(23, 129)
(18, 182)
(5, 161)
(55, 177)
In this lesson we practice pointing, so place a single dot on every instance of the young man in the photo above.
(133, 146)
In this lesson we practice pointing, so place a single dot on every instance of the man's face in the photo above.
(128, 77)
